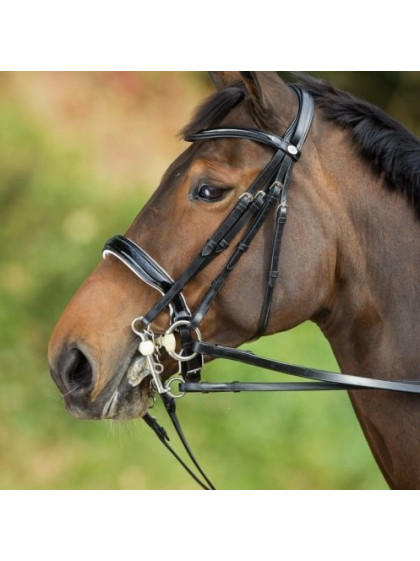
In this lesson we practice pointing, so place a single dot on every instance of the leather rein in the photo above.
(268, 191)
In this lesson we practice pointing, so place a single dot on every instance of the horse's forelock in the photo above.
(214, 109)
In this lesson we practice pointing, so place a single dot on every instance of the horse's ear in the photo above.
(264, 90)
(224, 79)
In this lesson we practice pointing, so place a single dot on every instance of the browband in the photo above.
(255, 135)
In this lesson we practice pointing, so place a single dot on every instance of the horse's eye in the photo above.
(210, 193)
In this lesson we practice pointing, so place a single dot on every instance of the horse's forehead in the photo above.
(225, 154)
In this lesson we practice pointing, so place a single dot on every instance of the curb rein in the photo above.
(268, 190)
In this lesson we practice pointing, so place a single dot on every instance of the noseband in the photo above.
(268, 191)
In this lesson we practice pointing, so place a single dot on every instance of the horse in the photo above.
(347, 258)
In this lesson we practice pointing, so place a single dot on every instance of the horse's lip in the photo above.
(122, 387)
(109, 408)
(130, 382)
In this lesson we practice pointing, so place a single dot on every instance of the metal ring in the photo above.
(136, 331)
(168, 387)
(178, 356)
(179, 322)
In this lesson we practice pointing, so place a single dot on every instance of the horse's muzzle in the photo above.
(76, 377)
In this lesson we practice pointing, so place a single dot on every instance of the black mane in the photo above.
(387, 144)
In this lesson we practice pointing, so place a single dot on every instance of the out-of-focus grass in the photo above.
(57, 206)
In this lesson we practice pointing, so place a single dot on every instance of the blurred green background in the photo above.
(80, 153)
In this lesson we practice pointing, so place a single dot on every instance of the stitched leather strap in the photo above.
(237, 387)
(339, 381)
(241, 247)
(248, 134)
(297, 134)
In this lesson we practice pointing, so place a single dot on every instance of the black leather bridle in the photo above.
(268, 191)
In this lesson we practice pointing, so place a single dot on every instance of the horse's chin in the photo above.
(118, 407)
(127, 402)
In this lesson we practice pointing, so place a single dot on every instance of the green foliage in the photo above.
(56, 210)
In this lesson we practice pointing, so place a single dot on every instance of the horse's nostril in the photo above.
(76, 372)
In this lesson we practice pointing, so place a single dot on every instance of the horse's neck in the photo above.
(376, 301)
(373, 324)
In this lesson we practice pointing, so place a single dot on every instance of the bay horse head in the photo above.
(343, 204)
(93, 345)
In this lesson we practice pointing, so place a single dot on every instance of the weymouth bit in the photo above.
(149, 349)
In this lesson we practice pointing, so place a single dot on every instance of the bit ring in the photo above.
(179, 356)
